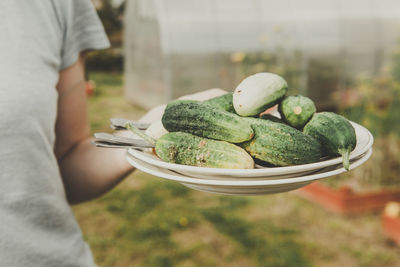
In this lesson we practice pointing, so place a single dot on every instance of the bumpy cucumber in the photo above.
(280, 144)
(297, 110)
(224, 102)
(188, 149)
(206, 121)
(335, 133)
(258, 92)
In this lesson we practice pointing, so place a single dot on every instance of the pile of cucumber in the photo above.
(229, 131)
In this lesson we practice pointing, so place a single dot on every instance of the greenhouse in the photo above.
(178, 46)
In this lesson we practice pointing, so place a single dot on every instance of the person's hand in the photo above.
(157, 112)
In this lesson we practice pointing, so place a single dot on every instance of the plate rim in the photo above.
(251, 183)
(253, 172)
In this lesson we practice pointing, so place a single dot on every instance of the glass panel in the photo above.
(175, 47)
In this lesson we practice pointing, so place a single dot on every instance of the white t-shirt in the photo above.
(38, 38)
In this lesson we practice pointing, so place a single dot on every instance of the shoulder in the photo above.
(82, 30)
(69, 10)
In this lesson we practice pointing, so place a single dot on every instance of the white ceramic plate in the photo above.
(273, 177)
(364, 142)
(244, 186)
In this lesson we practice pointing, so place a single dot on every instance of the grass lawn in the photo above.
(148, 221)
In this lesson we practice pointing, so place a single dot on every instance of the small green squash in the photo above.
(188, 149)
(297, 110)
(335, 133)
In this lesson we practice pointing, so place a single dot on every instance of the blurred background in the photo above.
(343, 54)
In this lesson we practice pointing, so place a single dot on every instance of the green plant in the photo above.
(375, 103)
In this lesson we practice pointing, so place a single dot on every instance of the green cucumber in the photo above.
(188, 149)
(206, 121)
(335, 133)
(224, 102)
(280, 144)
(297, 110)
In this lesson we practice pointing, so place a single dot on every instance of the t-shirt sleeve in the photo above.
(82, 30)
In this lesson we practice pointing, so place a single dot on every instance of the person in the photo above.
(47, 160)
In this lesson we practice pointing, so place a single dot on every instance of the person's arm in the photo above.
(87, 171)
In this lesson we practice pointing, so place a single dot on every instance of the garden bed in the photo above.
(345, 201)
